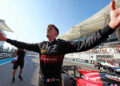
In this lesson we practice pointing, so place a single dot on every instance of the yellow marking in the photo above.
(62, 83)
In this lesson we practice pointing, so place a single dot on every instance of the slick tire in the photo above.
(66, 80)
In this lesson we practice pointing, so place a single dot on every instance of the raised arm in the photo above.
(90, 42)
(114, 16)
(23, 45)
(99, 36)
(27, 46)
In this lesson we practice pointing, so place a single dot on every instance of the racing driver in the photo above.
(52, 51)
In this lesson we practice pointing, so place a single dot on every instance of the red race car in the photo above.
(84, 77)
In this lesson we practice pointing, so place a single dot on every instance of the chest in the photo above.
(51, 48)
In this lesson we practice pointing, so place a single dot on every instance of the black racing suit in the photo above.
(52, 53)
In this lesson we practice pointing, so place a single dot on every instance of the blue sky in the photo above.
(29, 18)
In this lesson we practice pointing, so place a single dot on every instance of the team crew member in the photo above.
(52, 51)
(20, 54)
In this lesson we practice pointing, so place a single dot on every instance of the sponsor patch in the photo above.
(42, 51)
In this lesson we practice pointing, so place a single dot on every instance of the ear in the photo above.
(56, 34)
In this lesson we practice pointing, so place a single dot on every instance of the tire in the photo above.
(66, 79)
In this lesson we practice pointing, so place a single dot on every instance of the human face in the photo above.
(51, 32)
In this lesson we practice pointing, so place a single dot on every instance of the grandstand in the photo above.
(91, 25)
(108, 50)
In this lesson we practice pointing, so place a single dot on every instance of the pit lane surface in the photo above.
(30, 73)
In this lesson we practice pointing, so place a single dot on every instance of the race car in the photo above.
(84, 77)
(108, 68)
(116, 70)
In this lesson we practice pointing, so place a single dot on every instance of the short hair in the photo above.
(52, 25)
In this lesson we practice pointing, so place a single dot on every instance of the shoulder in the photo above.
(61, 40)
(42, 43)
(65, 41)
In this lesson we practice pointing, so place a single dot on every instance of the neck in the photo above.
(51, 39)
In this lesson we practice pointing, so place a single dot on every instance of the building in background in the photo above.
(5, 51)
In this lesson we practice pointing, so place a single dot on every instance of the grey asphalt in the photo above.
(30, 73)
